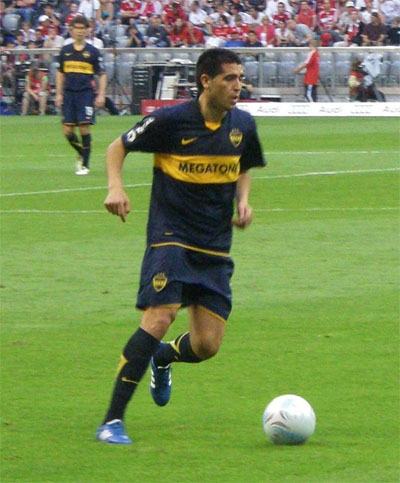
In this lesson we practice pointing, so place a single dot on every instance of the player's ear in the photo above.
(205, 81)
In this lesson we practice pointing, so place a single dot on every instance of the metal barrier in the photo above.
(269, 70)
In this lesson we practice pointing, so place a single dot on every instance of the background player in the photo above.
(78, 63)
(203, 151)
(311, 77)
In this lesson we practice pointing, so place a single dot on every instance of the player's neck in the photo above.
(79, 44)
(210, 113)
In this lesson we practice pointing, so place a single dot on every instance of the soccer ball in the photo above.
(288, 419)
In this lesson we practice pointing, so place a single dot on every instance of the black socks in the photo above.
(179, 350)
(133, 364)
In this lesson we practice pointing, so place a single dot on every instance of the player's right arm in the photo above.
(117, 201)
(59, 88)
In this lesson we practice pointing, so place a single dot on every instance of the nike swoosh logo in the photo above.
(125, 379)
(186, 141)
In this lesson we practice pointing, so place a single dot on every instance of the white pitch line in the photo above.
(257, 210)
(69, 190)
(296, 153)
(140, 185)
(328, 173)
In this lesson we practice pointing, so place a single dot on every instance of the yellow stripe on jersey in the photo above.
(199, 168)
(190, 247)
(78, 67)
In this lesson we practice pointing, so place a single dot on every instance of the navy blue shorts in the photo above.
(78, 107)
(175, 275)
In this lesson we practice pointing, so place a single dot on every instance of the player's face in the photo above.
(223, 90)
(79, 32)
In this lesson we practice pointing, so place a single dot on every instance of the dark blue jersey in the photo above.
(196, 166)
(79, 66)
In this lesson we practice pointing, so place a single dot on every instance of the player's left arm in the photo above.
(101, 94)
(244, 212)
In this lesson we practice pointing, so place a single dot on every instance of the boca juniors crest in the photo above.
(159, 281)
(236, 137)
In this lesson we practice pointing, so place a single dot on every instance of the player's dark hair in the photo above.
(210, 63)
(79, 20)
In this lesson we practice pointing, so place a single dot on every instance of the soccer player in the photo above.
(203, 150)
(79, 62)
(311, 77)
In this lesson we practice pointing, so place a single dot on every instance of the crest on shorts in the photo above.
(236, 137)
(159, 281)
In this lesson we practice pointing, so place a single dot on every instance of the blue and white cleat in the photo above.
(160, 384)
(113, 432)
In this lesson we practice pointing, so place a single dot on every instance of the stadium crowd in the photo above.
(198, 23)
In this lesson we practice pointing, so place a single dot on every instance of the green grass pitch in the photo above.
(315, 313)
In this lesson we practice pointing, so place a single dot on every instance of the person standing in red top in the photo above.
(311, 77)
(306, 16)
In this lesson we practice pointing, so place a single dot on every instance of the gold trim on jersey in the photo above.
(190, 247)
(199, 169)
(77, 67)
(212, 125)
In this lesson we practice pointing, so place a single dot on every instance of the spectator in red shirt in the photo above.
(266, 32)
(129, 10)
(306, 16)
(177, 33)
(194, 36)
(281, 15)
(173, 11)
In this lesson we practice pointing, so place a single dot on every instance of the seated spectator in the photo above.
(70, 14)
(178, 33)
(283, 36)
(173, 11)
(351, 31)
(150, 8)
(282, 15)
(194, 36)
(107, 9)
(301, 34)
(393, 34)
(238, 24)
(306, 16)
(220, 28)
(197, 16)
(25, 9)
(52, 40)
(271, 8)
(135, 37)
(129, 11)
(221, 11)
(234, 40)
(53, 16)
(253, 17)
(156, 34)
(36, 90)
(266, 32)
(90, 9)
(27, 31)
(345, 16)
(374, 32)
(252, 40)
(327, 24)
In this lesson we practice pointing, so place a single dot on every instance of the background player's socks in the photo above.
(74, 142)
(86, 147)
(133, 364)
(179, 350)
